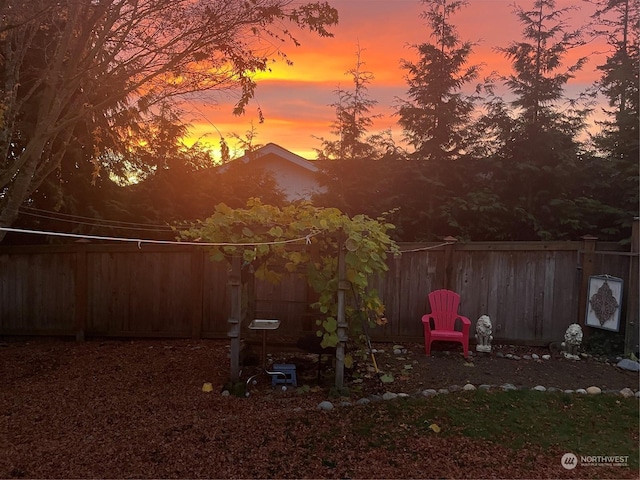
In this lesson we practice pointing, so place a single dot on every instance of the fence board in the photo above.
(140, 292)
(216, 298)
(36, 292)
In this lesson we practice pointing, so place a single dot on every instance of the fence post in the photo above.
(448, 262)
(588, 247)
(81, 292)
(197, 292)
(235, 286)
(633, 292)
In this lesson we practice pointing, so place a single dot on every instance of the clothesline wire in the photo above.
(140, 241)
(421, 249)
(172, 242)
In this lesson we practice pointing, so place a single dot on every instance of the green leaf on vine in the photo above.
(329, 340)
(330, 325)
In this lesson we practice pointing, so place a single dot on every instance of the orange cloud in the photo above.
(295, 100)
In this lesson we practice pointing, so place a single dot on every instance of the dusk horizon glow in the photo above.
(296, 100)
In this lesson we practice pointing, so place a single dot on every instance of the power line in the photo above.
(96, 221)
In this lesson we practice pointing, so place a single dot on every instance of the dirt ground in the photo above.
(136, 409)
(412, 371)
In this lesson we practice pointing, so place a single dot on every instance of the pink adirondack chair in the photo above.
(444, 313)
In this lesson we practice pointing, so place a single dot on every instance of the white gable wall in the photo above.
(296, 176)
(296, 183)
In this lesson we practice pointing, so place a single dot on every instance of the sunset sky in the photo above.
(295, 100)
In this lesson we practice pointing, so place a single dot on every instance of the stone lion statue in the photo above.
(483, 334)
(572, 341)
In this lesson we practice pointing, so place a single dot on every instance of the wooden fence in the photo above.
(531, 290)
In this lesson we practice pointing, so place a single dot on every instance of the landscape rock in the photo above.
(469, 387)
(628, 364)
(429, 392)
(581, 391)
(540, 388)
(535, 356)
(389, 396)
(626, 392)
(443, 391)
(594, 390)
(363, 401)
(546, 357)
(508, 386)
(484, 386)
(325, 405)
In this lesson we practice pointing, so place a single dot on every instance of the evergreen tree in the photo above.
(532, 167)
(435, 120)
(355, 167)
(435, 117)
(617, 140)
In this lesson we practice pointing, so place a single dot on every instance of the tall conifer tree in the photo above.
(353, 165)
(435, 119)
(617, 141)
(534, 162)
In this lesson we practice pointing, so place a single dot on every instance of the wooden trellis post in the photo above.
(449, 280)
(343, 286)
(633, 309)
(235, 287)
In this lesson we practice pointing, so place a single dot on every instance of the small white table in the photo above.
(264, 325)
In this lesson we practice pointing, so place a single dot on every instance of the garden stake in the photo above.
(366, 334)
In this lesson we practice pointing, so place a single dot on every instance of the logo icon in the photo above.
(569, 461)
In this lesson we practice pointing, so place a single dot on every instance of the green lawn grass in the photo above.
(581, 424)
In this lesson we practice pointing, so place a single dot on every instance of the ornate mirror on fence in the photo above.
(604, 302)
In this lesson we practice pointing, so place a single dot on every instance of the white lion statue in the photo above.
(572, 341)
(483, 334)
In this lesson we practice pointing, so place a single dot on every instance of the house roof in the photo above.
(273, 149)
(296, 176)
